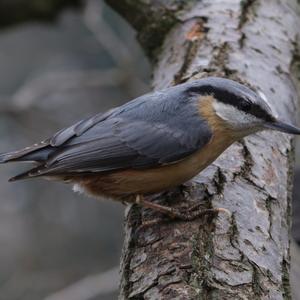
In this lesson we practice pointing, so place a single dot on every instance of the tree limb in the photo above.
(246, 255)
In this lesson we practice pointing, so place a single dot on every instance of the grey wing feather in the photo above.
(130, 145)
(76, 130)
(28, 152)
(153, 130)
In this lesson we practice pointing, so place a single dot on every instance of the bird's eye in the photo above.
(245, 106)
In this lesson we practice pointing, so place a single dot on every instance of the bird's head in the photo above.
(241, 108)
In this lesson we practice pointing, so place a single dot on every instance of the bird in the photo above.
(153, 143)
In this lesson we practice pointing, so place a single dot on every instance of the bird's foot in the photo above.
(196, 211)
(174, 213)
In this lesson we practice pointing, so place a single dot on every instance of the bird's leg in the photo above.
(187, 215)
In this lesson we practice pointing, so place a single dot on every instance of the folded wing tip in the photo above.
(4, 158)
(12, 179)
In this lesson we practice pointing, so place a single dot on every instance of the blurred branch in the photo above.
(64, 81)
(35, 89)
(112, 43)
(90, 287)
(93, 18)
(152, 19)
(18, 11)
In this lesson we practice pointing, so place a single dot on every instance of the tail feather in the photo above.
(36, 153)
(27, 174)
(4, 157)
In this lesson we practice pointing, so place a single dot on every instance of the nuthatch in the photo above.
(152, 143)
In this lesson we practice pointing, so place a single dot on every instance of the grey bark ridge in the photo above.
(245, 256)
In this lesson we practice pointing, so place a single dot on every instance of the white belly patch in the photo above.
(78, 188)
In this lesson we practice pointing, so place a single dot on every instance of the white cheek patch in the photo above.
(236, 118)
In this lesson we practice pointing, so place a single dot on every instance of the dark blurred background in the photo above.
(54, 244)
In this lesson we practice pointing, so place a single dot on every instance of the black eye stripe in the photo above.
(245, 106)
(255, 110)
(235, 99)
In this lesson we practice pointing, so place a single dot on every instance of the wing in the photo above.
(124, 145)
(151, 131)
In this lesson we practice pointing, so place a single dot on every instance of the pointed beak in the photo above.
(283, 127)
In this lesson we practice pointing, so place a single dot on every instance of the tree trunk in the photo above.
(245, 255)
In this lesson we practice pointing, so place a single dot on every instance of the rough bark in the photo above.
(245, 255)
(18, 11)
